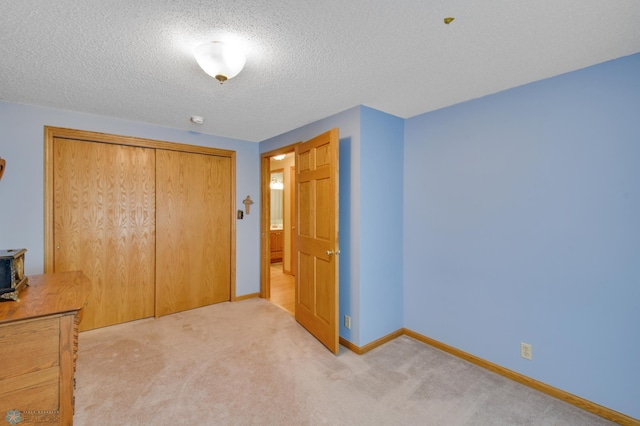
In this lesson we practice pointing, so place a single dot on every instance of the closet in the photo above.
(150, 223)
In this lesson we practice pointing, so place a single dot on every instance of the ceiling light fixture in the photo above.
(276, 184)
(220, 60)
(279, 157)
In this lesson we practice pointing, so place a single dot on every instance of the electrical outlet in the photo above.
(526, 351)
(347, 322)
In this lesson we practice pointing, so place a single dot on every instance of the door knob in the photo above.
(329, 252)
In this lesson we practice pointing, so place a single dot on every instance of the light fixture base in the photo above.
(221, 78)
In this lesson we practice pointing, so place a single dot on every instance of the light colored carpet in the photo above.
(250, 363)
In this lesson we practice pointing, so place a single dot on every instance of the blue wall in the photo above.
(381, 180)
(22, 187)
(522, 224)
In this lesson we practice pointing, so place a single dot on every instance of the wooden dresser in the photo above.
(39, 346)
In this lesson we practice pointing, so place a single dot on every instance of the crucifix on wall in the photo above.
(247, 203)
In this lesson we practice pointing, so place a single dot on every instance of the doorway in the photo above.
(316, 231)
(280, 229)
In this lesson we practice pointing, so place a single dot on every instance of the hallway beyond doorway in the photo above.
(282, 288)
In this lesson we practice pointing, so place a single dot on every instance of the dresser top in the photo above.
(48, 294)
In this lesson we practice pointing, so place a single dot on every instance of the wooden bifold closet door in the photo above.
(104, 225)
(151, 227)
(193, 238)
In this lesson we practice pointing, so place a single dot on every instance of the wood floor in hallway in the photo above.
(282, 288)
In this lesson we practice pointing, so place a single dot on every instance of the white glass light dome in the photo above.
(220, 60)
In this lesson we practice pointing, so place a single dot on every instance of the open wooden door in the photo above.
(317, 237)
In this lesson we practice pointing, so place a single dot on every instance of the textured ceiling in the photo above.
(306, 60)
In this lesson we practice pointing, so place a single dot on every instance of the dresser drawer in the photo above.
(31, 371)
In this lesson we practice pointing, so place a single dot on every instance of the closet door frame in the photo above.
(50, 133)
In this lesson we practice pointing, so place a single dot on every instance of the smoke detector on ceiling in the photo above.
(196, 119)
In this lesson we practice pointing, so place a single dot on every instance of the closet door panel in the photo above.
(193, 228)
(104, 225)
